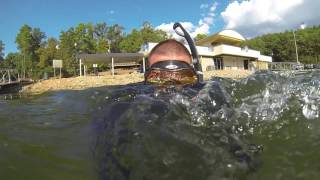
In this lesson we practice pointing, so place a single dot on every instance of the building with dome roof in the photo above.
(226, 36)
(222, 51)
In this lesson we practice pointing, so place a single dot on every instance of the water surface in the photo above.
(263, 127)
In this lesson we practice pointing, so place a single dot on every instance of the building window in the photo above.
(218, 63)
(210, 68)
(246, 64)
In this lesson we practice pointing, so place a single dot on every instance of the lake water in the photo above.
(263, 127)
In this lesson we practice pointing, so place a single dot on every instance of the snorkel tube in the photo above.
(193, 49)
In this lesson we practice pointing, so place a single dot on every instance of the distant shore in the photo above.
(106, 79)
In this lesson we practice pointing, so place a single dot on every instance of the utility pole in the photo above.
(295, 44)
(24, 65)
(302, 26)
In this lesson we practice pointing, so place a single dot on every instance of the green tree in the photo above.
(29, 40)
(47, 52)
(100, 35)
(149, 34)
(12, 61)
(24, 39)
(132, 42)
(84, 38)
(115, 35)
(282, 48)
(1, 50)
(68, 51)
(200, 36)
(81, 39)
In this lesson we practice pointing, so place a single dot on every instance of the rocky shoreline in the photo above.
(106, 79)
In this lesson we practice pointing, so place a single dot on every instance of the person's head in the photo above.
(170, 63)
(169, 50)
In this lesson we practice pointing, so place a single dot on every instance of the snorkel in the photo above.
(193, 49)
(170, 62)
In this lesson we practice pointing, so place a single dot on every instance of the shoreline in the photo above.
(106, 79)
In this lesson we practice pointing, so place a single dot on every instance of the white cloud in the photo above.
(203, 26)
(208, 20)
(111, 12)
(204, 6)
(168, 28)
(256, 17)
(213, 7)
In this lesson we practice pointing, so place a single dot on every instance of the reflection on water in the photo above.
(45, 137)
(262, 127)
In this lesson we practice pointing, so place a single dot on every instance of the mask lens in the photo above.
(182, 76)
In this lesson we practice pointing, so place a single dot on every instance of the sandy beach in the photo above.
(106, 79)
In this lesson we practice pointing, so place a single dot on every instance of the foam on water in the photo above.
(209, 132)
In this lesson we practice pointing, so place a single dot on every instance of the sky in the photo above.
(250, 18)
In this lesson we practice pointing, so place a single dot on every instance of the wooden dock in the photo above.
(10, 81)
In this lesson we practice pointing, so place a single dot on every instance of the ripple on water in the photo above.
(265, 126)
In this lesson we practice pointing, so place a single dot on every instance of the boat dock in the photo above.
(10, 81)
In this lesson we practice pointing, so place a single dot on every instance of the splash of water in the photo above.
(208, 132)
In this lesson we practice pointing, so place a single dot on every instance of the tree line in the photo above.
(282, 48)
(36, 51)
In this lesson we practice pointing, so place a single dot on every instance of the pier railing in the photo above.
(280, 66)
(9, 76)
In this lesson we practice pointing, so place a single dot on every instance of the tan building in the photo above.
(222, 51)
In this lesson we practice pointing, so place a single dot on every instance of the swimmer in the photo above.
(170, 63)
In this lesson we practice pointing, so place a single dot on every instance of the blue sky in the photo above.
(55, 16)
(250, 18)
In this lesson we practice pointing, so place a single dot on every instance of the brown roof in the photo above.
(106, 58)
